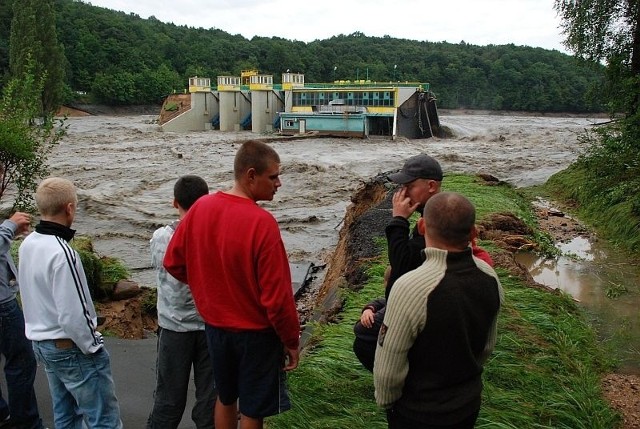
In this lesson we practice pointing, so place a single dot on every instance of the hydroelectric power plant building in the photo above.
(253, 102)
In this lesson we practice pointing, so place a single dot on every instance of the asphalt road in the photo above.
(133, 366)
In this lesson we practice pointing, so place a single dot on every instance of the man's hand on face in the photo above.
(402, 205)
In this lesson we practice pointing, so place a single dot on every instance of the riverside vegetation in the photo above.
(102, 272)
(545, 372)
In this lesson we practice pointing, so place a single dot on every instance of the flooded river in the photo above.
(125, 168)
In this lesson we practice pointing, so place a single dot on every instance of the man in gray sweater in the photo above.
(182, 342)
(20, 409)
(439, 327)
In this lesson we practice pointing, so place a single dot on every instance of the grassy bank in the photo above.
(544, 373)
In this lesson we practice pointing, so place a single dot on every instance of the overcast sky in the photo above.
(478, 22)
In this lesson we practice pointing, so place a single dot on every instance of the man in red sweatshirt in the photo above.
(230, 252)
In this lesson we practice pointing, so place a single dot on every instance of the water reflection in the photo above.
(606, 284)
(579, 247)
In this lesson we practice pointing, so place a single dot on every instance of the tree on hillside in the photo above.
(26, 137)
(33, 37)
(5, 29)
(608, 31)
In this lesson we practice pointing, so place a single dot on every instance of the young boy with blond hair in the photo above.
(60, 318)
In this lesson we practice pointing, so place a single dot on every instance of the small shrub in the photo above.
(150, 300)
(615, 290)
(112, 271)
(91, 265)
(171, 106)
(102, 272)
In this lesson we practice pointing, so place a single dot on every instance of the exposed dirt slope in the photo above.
(182, 103)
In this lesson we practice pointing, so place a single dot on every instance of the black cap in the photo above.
(418, 167)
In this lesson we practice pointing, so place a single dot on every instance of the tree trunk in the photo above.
(634, 20)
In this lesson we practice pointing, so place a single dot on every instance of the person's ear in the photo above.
(421, 226)
(474, 235)
(70, 212)
(175, 203)
(251, 174)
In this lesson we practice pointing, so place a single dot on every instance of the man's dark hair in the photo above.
(450, 217)
(188, 189)
(254, 154)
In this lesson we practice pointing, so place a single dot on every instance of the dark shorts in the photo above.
(248, 366)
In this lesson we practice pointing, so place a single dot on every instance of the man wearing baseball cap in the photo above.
(421, 178)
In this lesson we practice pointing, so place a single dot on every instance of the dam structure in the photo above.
(252, 101)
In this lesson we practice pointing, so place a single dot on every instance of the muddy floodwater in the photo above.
(605, 283)
(125, 168)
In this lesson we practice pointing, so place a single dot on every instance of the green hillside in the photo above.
(120, 58)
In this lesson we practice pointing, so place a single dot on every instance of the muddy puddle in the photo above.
(605, 283)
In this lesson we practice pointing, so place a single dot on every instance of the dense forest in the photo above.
(119, 58)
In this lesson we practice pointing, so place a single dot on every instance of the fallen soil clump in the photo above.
(127, 318)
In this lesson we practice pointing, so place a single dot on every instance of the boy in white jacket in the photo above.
(60, 317)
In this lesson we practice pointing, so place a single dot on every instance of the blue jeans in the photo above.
(177, 353)
(81, 387)
(20, 369)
